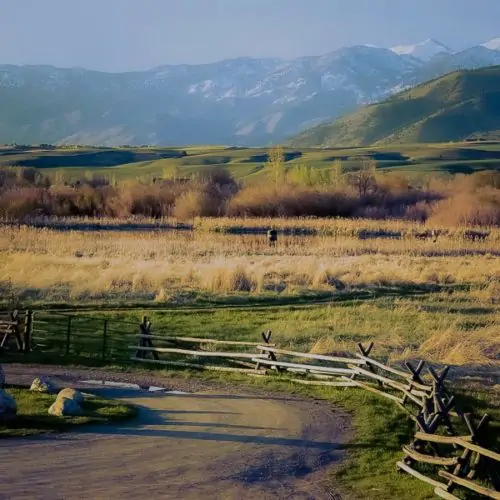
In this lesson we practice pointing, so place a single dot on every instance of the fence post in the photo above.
(68, 335)
(104, 338)
(14, 316)
(266, 337)
(28, 327)
(144, 340)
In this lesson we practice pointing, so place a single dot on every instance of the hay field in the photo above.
(417, 297)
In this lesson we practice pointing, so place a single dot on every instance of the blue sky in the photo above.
(119, 35)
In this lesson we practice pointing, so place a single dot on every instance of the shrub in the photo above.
(196, 204)
(478, 208)
(305, 192)
(226, 280)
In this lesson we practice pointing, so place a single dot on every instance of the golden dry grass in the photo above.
(77, 266)
(337, 226)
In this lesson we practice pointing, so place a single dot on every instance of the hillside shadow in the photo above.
(109, 158)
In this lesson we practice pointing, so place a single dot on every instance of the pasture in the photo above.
(249, 164)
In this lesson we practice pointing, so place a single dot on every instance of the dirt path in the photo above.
(210, 444)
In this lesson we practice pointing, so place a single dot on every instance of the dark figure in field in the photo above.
(476, 235)
(272, 237)
(427, 235)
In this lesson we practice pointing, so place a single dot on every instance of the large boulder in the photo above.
(8, 407)
(2, 377)
(43, 384)
(72, 394)
(64, 407)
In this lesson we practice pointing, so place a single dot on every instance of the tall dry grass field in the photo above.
(452, 272)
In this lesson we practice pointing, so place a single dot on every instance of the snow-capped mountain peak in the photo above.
(240, 101)
(424, 50)
(493, 44)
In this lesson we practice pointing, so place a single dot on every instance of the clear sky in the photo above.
(119, 35)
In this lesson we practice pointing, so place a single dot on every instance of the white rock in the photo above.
(43, 384)
(72, 394)
(64, 407)
(8, 407)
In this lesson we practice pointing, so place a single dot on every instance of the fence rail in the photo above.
(460, 460)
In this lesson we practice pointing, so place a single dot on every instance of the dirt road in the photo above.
(209, 444)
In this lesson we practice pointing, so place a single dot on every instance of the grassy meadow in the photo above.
(318, 292)
(250, 164)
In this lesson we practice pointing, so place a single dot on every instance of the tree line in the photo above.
(298, 190)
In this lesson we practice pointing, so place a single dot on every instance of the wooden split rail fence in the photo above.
(179, 347)
(461, 460)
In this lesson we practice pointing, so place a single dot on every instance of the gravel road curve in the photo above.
(211, 442)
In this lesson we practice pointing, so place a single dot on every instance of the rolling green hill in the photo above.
(248, 164)
(454, 107)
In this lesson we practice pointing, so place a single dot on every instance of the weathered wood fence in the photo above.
(56, 334)
(16, 327)
(459, 460)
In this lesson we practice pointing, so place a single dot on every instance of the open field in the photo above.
(249, 164)
(439, 300)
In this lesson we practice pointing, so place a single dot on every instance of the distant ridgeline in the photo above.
(459, 106)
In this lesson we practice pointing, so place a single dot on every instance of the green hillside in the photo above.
(455, 107)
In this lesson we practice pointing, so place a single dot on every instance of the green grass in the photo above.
(249, 164)
(451, 108)
(395, 319)
(385, 316)
(32, 417)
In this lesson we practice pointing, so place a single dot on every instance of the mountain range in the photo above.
(458, 106)
(238, 102)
